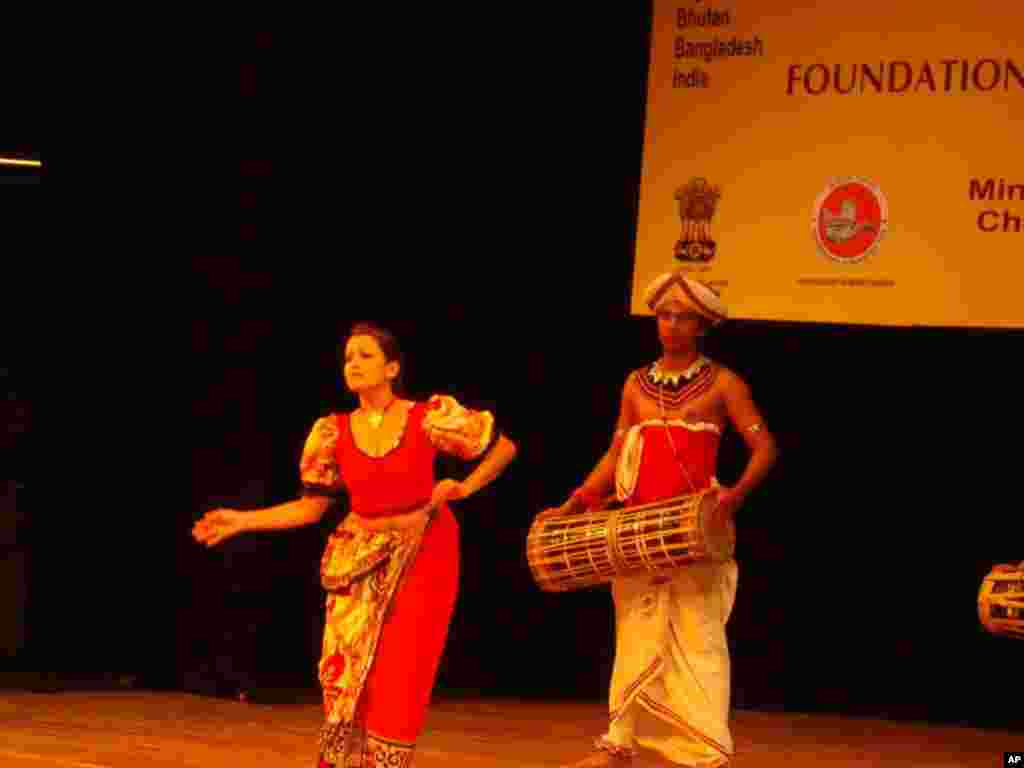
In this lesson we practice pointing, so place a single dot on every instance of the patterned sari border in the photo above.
(387, 753)
(336, 739)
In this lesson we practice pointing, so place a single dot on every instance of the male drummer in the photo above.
(670, 682)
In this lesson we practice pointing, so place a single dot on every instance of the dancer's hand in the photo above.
(217, 525)
(729, 501)
(448, 490)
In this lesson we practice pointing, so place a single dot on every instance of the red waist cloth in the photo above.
(662, 475)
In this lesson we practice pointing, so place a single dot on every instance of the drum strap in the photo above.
(672, 442)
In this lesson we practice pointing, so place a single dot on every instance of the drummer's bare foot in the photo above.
(600, 760)
(606, 755)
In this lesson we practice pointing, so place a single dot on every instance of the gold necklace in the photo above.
(660, 376)
(375, 418)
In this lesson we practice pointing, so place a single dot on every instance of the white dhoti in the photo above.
(670, 682)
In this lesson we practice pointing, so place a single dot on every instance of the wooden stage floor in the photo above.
(135, 729)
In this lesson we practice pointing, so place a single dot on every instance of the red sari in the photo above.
(391, 593)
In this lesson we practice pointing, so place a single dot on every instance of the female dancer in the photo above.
(391, 568)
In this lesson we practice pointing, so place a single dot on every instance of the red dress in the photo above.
(385, 631)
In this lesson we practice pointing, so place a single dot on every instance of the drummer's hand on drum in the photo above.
(571, 505)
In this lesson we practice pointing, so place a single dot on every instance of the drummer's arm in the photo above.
(600, 483)
(747, 420)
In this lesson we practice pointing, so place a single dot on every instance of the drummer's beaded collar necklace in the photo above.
(676, 388)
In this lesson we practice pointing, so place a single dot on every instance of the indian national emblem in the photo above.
(697, 202)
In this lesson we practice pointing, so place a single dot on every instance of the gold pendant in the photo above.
(374, 418)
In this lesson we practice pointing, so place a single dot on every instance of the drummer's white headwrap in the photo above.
(676, 286)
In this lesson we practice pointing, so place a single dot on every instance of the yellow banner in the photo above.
(846, 163)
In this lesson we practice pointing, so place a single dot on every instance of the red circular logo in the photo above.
(850, 219)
